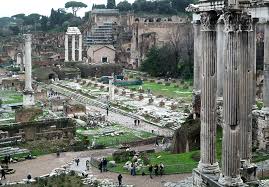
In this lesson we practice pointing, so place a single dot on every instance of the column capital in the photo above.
(27, 37)
(209, 20)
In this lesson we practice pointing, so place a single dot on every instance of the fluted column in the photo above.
(80, 48)
(220, 51)
(28, 62)
(266, 68)
(73, 47)
(28, 97)
(66, 48)
(111, 88)
(245, 60)
(208, 163)
(197, 56)
(230, 174)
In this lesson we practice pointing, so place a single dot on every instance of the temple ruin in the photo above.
(225, 75)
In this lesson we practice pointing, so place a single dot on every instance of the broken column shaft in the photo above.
(208, 163)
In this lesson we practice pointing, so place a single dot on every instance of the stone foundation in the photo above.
(261, 129)
(27, 114)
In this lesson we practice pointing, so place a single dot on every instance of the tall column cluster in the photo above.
(73, 46)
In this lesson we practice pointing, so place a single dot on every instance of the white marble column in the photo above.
(66, 49)
(220, 64)
(266, 68)
(73, 47)
(245, 59)
(230, 170)
(28, 97)
(197, 55)
(111, 88)
(80, 48)
(208, 162)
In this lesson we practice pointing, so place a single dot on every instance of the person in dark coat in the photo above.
(100, 166)
(150, 171)
(120, 179)
(3, 173)
(104, 165)
(156, 170)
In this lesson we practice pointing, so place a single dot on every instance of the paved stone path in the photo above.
(45, 164)
(129, 122)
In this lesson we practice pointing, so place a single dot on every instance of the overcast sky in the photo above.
(11, 7)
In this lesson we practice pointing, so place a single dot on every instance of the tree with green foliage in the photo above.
(75, 5)
(111, 4)
(175, 59)
(124, 6)
(100, 6)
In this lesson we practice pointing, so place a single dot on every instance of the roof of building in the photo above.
(104, 46)
(105, 11)
(73, 31)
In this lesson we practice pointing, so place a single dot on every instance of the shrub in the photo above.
(167, 84)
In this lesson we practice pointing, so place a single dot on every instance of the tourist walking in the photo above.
(77, 161)
(135, 122)
(88, 165)
(156, 170)
(138, 122)
(157, 142)
(161, 169)
(3, 174)
(120, 179)
(107, 110)
(150, 171)
(133, 172)
(101, 166)
(104, 165)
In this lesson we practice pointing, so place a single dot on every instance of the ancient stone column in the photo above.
(266, 68)
(80, 48)
(111, 88)
(197, 55)
(196, 100)
(208, 163)
(73, 47)
(66, 48)
(245, 70)
(254, 52)
(220, 51)
(230, 174)
(28, 97)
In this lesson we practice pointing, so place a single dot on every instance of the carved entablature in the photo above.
(209, 20)
(231, 21)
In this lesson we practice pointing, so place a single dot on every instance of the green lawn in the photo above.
(127, 135)
(174, 163)
(168, 91)
(9, 97)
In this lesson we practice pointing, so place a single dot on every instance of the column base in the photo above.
(28, 99)
(208, 168)
(230, 181)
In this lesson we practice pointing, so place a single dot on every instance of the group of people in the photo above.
(158, 170)
(103, 165)
(137, 122)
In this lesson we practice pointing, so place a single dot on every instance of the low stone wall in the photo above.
(143, 142)
(63, 128)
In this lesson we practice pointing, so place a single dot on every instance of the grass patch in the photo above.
(10, 97)
(174, 163)
(168, 91)
(127, 135)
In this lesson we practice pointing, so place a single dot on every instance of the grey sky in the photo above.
(43, 7)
